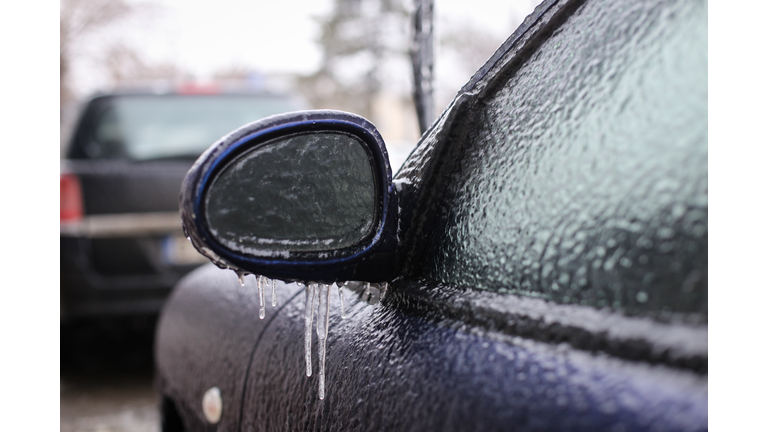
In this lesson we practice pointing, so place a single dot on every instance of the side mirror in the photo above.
(299, 196)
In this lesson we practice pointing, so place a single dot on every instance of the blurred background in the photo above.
(342, 54)
(350, 55)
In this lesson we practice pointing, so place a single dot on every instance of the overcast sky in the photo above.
(203, 36)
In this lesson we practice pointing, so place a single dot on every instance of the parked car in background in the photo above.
(122, 246)
(538, 263)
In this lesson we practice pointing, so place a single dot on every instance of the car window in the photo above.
(151, 127)
(583, 178)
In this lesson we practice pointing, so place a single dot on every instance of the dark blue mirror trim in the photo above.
(313, 265)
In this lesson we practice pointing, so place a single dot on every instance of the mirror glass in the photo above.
(312, 191)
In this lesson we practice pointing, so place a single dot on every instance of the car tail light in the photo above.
(71, 198)
(193, 88)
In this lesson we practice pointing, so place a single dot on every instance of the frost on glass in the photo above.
(305, 192)
(583, 179)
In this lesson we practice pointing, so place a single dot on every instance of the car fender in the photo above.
(205, 337)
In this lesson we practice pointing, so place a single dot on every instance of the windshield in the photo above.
(154, 127)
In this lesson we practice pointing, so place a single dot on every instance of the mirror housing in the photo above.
(303, 196)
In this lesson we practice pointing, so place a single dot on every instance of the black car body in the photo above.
(550, 267)
(122, 246)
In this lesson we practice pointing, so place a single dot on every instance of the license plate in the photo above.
(177, 250)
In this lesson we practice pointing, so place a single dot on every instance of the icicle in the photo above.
(309, 308)
(240, 277)
(274, 294)
(341, 298)
(323, 309)
(383, 287)
(367, 289)
(261, 297)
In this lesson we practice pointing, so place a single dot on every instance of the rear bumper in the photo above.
(114, 276)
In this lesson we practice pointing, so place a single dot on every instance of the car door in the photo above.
(555, 221)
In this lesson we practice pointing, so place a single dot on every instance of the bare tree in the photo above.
(78, 20)
(356, 39)
(472, 45)
(125, 66)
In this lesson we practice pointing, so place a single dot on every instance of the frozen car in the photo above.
(538, 263)
(122, 247)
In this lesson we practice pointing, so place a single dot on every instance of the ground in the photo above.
(107, 376)
(109, 403)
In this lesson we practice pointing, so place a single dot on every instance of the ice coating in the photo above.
(261, 297)
(324, 305)
(257, 205)
(241, 277)
(274, 294)
(365, 361)
(322, 292)
(310, 291)
(582, 178)
(515, 360)
(370, 293)
(194, 183)
(383, 290)
(341, 298)
(319, 294)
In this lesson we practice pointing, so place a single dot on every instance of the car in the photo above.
(122, 246)
(538, 263)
